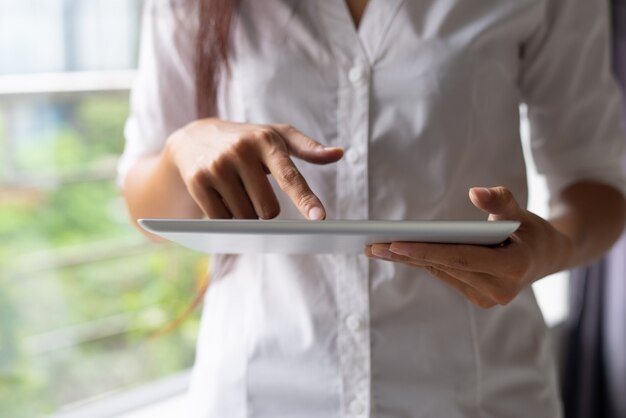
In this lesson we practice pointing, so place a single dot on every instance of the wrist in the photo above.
(565, 250)
(551, 249)
(169, 155)
(554, 252)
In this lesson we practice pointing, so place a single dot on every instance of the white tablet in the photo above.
(320, 237)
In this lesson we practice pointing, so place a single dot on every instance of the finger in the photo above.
(453, 278)
(211, 203)
(236, 198)
(474, 279)
(291, 181)
(464, 289)
(382, 251)
(499, 291)
(489, 287)
(499, 285)
(498, 202)
(480, 282)
(462, 257)
(306, 148)
(260, 191)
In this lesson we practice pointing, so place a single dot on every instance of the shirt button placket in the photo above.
(357, 408)
(354, 344)
(353, 286)
(352, 156)
(357, 75)
(353, 323)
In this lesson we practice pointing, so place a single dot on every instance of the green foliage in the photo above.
(81, 292)
(90, 131)
(99, 122)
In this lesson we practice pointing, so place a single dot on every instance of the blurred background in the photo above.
(82, 294)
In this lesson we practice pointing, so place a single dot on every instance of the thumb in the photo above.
(305, 148)
(497, 201)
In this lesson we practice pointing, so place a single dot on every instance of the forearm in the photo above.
(153, 188)
(591, 216)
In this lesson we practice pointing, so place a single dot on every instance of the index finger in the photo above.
(291, 181)
(462, 257)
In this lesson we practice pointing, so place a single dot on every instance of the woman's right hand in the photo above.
(224, 166)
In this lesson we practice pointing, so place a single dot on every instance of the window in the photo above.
(551, 291)
(82, 295)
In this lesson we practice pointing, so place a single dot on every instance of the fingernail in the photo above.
(316, 213)
(380, 251)
(398, 250)
(333, 149)
(482, 193)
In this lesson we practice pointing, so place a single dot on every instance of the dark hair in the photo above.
(212, 50)
(211, 58)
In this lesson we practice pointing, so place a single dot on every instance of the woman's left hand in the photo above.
(489, 276)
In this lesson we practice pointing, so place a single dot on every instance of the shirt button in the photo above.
(356, 75)
(353, 323)
(356, 407)
(352, 156)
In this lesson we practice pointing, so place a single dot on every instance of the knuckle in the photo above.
(289, 175)
(305, 199)
(218, 167)
(505, 194)
(503, 296)
(265, 136)
(311, 143)
(483, 303)
(197, 180)
(275, 151)
(477, 298)
(241, 148)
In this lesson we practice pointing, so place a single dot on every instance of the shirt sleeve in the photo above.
(163, 96)
(574, 104)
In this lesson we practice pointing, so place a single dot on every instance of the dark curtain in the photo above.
(594, 377)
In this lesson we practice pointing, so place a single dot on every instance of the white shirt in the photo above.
(425, 99)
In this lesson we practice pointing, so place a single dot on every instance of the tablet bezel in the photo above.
(315, 237)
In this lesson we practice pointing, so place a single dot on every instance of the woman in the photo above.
(378, 110)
